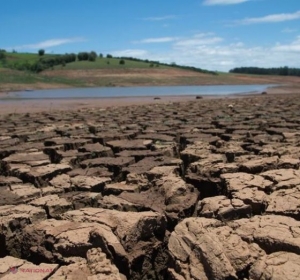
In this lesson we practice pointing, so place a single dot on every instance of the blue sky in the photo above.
(210, 34)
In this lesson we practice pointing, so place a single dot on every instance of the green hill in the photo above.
(22, 61)
(12, 58)
(19, 71)
(84, 60)
(110, 63)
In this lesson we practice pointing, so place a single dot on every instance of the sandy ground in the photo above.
(30, 106)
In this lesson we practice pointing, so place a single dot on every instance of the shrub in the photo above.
(92, 56)
(2, 55)
(83, 56)
(41, 52)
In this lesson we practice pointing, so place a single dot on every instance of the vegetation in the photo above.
(34, 62)
(39, 62)
(41, 52)
(82, 56)
(2, 55)
(92, 56)
(153, 63)
(281, 71)
(15, 77)
(108, 63)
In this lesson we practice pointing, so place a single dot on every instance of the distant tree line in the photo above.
(281, 71)
(195, 69)
(153, 63)
(91, 56)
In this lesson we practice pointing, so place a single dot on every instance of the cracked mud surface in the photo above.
(205, 189)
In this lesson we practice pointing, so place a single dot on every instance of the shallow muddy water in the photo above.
(82, 93)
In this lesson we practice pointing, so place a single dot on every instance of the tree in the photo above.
(92, 56)
(122, 62)
(101, 55)
(2, 55)
(83, 56)
(109, 56)
(41, 52)
(284, 71)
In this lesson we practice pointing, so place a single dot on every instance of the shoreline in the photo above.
(30, 89)
(41, 86)
(8, 106)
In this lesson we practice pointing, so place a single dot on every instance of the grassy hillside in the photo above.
(11, 78)
(14, 80)
(107, 63)
(109, 72)
(13, 58)
(100, 63)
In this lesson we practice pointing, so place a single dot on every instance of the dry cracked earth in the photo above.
(208, 189)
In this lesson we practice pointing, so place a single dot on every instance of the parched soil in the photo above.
(195, 189)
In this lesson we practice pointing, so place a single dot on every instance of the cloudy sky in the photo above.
(210, 34)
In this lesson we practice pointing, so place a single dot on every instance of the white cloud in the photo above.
(198, 40)
(50, 43)
(160, 18)
(157, 40)
(289, 30)
(272, 18)
(222, 55)
(131, 53)
(293, 47)
(223, 2)
(238, 44)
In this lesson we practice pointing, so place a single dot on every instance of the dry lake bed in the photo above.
(153, 189)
